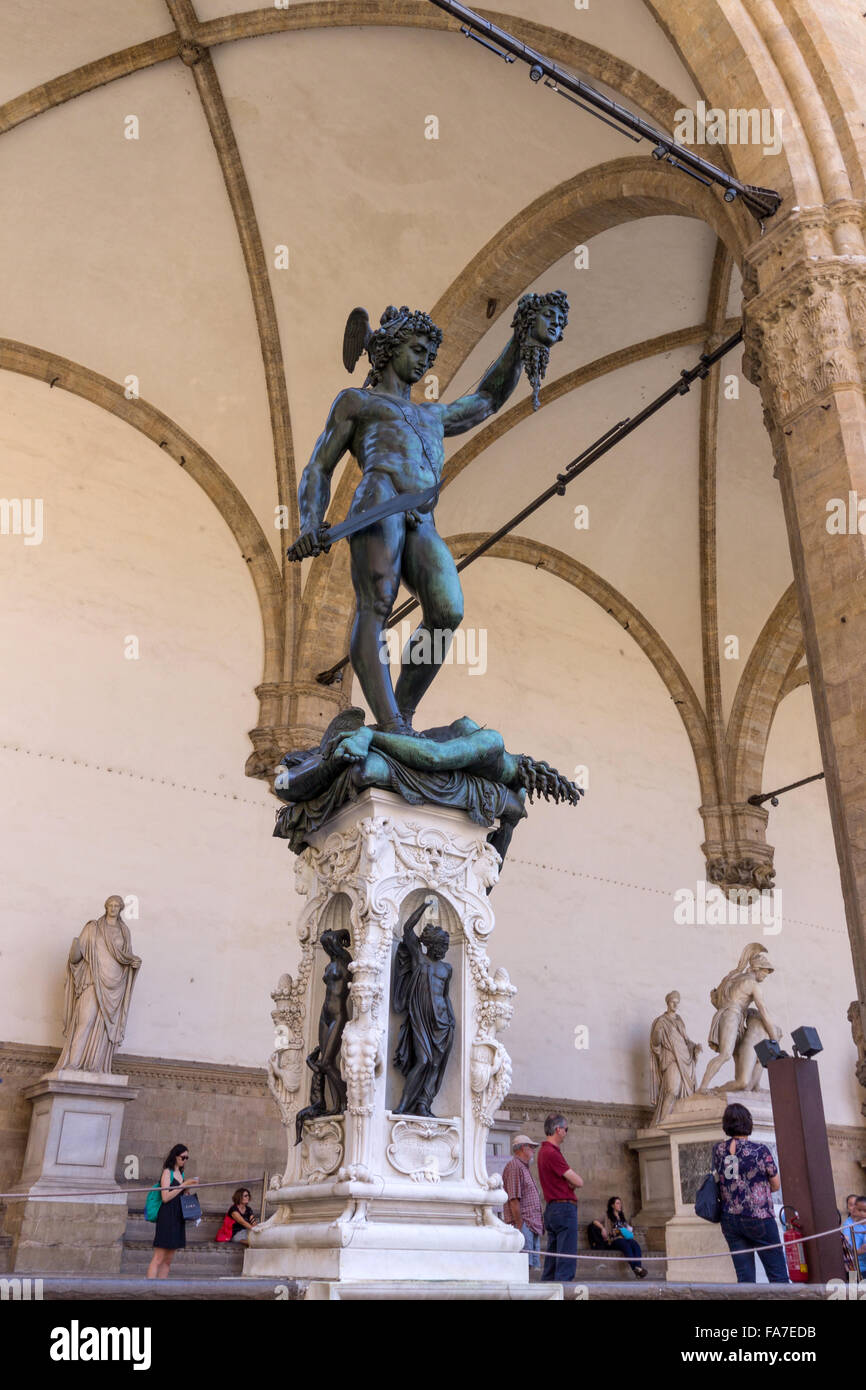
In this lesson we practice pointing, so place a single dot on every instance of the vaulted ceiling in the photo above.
(157, 157)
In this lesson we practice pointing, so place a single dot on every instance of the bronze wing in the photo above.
(356, 337)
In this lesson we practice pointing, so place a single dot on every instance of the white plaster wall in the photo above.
(127, 776)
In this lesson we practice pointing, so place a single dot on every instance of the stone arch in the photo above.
(778, 55)
(630, 618)
(499, 425)
(576, 210)
(197, 462)
(766, 679)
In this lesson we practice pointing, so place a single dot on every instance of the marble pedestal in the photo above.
(675, 1156)
(75, 1218)
(653, 1148)
(373, 1197)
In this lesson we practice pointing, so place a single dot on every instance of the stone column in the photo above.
(805, 321)
(374, 1196)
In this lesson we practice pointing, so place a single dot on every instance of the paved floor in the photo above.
(130, 1288)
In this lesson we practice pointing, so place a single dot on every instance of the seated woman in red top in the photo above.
(239, 1220)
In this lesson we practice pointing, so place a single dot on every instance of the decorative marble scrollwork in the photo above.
(321, 1149)
(375, 862)
(441, 859)
(286, 1063)
(425, 1150)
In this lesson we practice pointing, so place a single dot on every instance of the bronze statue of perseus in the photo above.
(398, 444)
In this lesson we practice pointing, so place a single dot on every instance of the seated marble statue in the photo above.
(461, 765)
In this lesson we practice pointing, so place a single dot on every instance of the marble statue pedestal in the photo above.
(372, 1197)
(653, 1148)
(75, 1219)
(675, 1156)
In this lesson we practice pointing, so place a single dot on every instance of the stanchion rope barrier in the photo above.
(721, 1254)
(563, 1254)
(113, 1191)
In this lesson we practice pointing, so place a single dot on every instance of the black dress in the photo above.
(170, 1225)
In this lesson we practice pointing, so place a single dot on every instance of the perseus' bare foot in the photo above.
(399, 725)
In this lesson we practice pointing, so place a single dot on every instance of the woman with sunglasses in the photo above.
(170, 1226)
(240, 1218)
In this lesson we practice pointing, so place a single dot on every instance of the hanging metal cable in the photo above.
(761, 202)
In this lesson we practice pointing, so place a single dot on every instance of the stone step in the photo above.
(203, 1257)
(199, 1260)
(137, 1228)
(124, 1288)
(616, 1271)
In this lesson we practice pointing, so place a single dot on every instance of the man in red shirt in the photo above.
(559, 1184)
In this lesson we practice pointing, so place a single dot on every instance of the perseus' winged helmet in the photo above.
(380, 345)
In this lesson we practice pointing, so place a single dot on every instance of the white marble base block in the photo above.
(371, 1196)
(75, 1136)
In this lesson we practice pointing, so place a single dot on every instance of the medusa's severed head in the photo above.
(538, 323)
(396, 327)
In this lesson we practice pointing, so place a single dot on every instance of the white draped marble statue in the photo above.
(741, 1020)
(674, 1057)
(100, 974)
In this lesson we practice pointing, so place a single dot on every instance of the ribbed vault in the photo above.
(305, 627)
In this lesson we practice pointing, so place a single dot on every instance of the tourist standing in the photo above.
(523, 1208)
(559, 1184)
(854, 1228)
(747, 1175)
(170, 1225)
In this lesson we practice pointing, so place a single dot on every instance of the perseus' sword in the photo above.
(402, 502)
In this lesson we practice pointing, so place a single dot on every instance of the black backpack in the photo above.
(595, 1237)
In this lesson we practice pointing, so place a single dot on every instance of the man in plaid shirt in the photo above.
(523, 1208)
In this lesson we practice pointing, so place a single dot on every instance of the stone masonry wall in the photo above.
(228, 1119)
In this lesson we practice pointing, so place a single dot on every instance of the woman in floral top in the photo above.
(747, 1176)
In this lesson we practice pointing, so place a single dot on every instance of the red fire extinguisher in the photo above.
(795, 1253)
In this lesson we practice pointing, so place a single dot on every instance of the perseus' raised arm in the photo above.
(490, 394)
(538, 324)
(314, 491)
